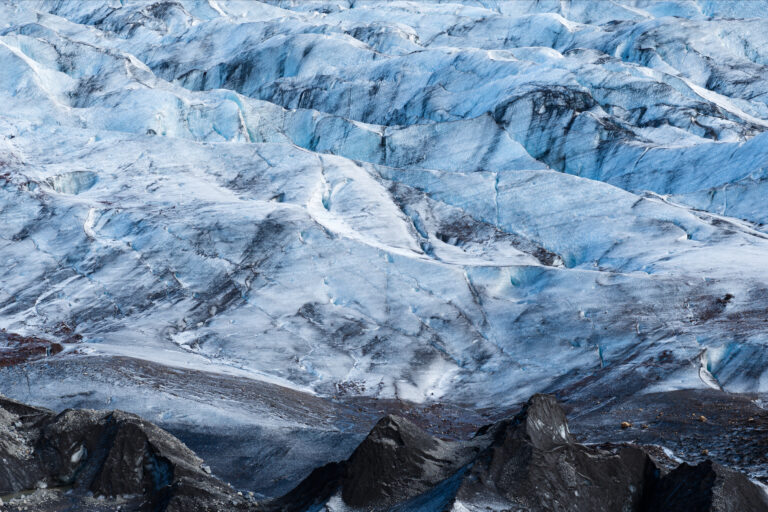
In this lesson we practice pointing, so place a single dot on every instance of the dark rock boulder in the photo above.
(706, 487)
(103, 454)
(397, 461)
(313, 491)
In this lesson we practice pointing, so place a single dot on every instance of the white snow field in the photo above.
(457, 201)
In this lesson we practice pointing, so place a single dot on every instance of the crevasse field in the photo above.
(256, 212)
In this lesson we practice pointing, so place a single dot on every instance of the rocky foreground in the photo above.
(98, 461)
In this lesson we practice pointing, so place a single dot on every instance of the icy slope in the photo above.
(422, 200)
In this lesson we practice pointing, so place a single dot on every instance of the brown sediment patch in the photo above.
(16, 349)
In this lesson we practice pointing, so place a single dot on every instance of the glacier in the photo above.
(462, 202)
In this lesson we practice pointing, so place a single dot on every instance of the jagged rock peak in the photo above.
(399, 432)
(528, 462)
(541, 421)
(396, 461)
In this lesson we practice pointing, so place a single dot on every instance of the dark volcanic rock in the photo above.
(529, 462)
(532, 464)
(111, 455)
(398, 461)
(98, 461)
(313, 491)
(707, 486)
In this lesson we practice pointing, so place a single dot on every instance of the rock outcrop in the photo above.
(109, 457)
(529, 462)
(706, 486)
(107, 460)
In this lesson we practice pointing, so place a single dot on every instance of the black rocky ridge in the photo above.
(97, 461)
(527, 463)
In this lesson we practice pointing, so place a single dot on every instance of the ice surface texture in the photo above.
(425, 200)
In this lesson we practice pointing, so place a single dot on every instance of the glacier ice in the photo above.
(457, 201)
